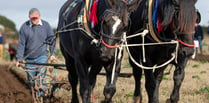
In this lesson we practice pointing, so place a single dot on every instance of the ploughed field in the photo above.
(194, 89)
(12, 90)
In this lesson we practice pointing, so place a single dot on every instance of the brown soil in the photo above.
(11, 89)
(14, 90)
(202, 57)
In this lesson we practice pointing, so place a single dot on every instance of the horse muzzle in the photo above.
(106, 57)
(107, 54)
(186, 51)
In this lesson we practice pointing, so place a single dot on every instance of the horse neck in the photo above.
(138, 18)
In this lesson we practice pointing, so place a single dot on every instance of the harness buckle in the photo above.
(80, 19)
(96, 42)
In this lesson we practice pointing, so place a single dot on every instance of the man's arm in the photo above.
(21, 45)
(51, 38)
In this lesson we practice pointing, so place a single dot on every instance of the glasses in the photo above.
(34, 18)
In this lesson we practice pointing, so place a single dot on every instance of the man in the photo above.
(208, 30)
(32, 46)
(1, 46)
(198, 36)
(198, 33)
(12, 50)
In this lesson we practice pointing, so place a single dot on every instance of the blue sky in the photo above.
(17, 10)
(203, 7)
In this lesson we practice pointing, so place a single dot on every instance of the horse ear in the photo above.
(111, 3)
(126, 19)
(195, 1)
(176, 1)
(133, 5)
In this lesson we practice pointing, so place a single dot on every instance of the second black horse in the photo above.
(170, 20)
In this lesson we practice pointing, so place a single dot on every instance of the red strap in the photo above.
(93, 98)
(189, 45)
(109, 46)
(125, 1)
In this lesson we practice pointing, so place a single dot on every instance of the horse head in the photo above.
(112, 22)
(179, 17)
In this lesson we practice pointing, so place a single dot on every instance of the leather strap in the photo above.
(85, 17)
(150, 23)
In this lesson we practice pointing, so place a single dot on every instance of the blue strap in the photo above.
(154, 16)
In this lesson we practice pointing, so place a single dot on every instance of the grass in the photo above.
(204, 44)
(196, 66)
(59, 54)
(130, 94)
(165, 78)
(99, 84)
(203, 72)
(203, 90)
(165, 91)
(126, 61)
(202, 61)
(6, 55)
(196, 77)
(121, 101)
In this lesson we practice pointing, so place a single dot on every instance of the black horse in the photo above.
(86, 53)
(173, 23)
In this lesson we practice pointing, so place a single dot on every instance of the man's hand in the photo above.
(17, 64)
(53, 59)
(20, 64)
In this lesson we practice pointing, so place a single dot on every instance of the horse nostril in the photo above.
(100, 51)
(109, 56)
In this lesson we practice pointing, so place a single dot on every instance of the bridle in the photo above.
(175, 31)
(102, 34)
(106, 12)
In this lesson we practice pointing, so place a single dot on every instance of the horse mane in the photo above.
(187, 15)
(133, 8)
(166, 11)
(119, 7)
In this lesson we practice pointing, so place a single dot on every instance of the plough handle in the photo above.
(45, 64)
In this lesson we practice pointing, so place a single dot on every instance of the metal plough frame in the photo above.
(43, 92)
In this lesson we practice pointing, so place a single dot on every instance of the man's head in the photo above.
(198, 17)
(34, 16)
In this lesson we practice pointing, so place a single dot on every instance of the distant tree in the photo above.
(8, 23)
